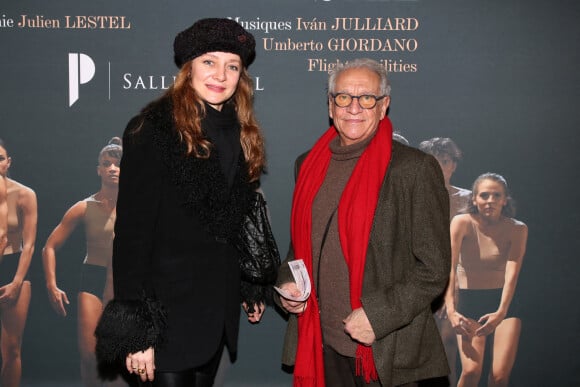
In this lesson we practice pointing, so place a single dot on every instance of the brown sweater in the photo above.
(331, 276)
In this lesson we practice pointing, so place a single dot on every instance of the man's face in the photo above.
(447, 165)
(354, 124)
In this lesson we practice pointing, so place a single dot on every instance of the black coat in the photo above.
(176, 217)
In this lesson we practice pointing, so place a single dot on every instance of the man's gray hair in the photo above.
(364, 63)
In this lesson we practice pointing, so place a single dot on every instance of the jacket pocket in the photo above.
(410, 342)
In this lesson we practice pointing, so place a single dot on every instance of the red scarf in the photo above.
(356, 210)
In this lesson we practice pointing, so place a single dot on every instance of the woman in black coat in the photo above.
(191, 162)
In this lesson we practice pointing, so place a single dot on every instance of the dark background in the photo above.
(499, 77)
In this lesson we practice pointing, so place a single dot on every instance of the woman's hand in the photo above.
(462, 325)
(255, 312)
(57, 300)
(142, 363)
(9, 293)
(296, 307)
(490, 321)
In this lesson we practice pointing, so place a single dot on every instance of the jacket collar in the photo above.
(201, 182)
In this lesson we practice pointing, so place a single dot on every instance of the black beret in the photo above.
(214, 34)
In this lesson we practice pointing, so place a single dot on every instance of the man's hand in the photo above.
(358, 327)
(296, 307)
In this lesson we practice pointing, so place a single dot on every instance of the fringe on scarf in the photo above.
(365, 364)
(303, 381)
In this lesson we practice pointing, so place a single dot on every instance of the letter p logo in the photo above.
(81, 69)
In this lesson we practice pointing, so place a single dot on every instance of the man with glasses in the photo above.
(370, 221)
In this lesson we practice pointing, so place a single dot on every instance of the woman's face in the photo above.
(490, 198)
(215, 76)
(108, 169)
(4, 161)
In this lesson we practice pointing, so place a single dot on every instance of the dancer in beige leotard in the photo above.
(3, 215)
(97, 214)
(487, 247)
(448, 155)
(15, 289)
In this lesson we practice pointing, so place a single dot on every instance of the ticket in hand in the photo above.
(302, 280)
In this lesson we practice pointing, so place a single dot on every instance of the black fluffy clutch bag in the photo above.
(258, 251)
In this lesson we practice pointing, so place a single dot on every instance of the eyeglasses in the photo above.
(366, 101)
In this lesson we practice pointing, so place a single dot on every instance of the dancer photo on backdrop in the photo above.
(191, 165)
(97, 215)
(15, 288)
(3, 215)
(487, 247)
(448, 154)
(370, 220)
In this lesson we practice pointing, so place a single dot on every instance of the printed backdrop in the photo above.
(499, 77)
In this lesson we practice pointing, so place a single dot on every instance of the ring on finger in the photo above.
(141, 371)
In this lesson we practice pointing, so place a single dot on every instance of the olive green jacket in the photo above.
(407, 267)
